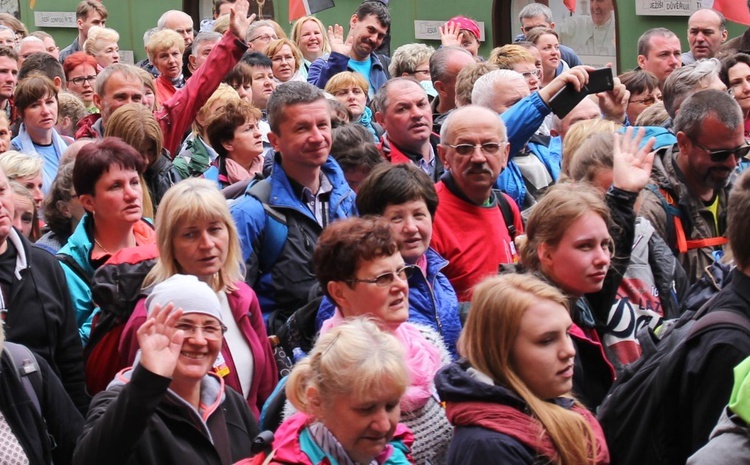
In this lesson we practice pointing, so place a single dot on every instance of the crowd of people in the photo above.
(254, 247)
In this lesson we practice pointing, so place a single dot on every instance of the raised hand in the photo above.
(450, 35)
(577, 76)
(614, 103)
(160, 341)
(238, 19)
(336, 39)
(632, 165)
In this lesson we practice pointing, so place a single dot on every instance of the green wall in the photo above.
(131, 18)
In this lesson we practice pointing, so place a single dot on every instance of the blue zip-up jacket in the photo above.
(286, 285)
(324, 68)
(522, 120)
(432, 302)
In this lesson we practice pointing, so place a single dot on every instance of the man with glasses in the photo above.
(403, 110)
(470, 229)
(687, 204)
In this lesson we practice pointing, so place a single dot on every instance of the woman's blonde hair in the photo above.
(275, 47)
(20, 165)
(354, 358)
(562, 205)
(297, 32)
(507, 56)
(594, 156)
(497, 307)
(194, 199)
(224, 93)
(164, 40)
(577, 135)
(346, 79)
(96, 34)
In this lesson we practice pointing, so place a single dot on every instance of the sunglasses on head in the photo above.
(719, 156)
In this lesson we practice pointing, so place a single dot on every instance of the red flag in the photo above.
(298, 9)
(570, 4)
(734, 10)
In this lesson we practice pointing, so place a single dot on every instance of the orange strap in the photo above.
(683, 245)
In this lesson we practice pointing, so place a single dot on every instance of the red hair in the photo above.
(77, 59)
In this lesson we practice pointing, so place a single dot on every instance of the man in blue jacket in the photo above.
(367, 29)
(280, 218)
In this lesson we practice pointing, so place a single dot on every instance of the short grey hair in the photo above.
(484, 88)
(147, 35)
(686, 80)
(205, 36)
(407, 57)
(161, 24)
(380, 101)
(532, 10)
(287, 94)
(709, 102)
(439, 62)
(129, 72)
(445, 129)
(28, 39)
(644, 41)
(255, 25)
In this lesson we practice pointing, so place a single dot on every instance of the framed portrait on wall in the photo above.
(590, 30)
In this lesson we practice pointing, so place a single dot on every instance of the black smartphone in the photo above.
(600, 80)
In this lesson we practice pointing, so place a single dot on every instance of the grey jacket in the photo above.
(729, 443)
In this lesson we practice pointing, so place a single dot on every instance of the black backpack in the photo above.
(639, 412)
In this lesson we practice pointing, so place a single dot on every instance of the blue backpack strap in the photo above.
(671, 210)
(275, 229)
(26, 370)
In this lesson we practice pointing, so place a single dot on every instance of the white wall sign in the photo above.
(670, 7)
(429, 29)
(55, 19)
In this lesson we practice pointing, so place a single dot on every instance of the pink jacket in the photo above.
(247, 314)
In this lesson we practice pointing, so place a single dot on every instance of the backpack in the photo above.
(275, 229)
(638, 414)
(115, 288)
(676, 237)
(507, 211)
(26, 370)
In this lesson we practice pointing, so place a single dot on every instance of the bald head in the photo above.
(179, 22)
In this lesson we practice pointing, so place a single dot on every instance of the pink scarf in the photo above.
(422, 361)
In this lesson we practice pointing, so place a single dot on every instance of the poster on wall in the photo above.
(670, 7)
(10, 6)
(589, 29)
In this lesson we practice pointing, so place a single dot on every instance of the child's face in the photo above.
(469, 42)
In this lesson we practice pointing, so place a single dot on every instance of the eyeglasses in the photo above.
(488, 148)
(532, 74)
(719, 156)
(648, 101)
(210, 332)
(421, 71)
(386, 279)
(80, 80)
(265, 38)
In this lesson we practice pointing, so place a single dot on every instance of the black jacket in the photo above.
(40, 316)
(141, 422)
(61, 419)
(708, 375)
(160, 177)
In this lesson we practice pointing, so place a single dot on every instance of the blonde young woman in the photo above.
(351, 90)
(510, 398)
(286, 60)
(309, 34)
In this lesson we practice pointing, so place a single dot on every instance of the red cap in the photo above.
(467, 24)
